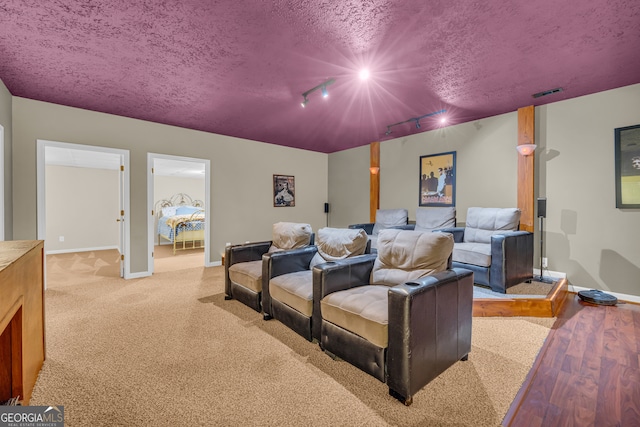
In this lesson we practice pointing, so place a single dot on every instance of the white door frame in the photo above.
(150, 204)
(41, 192)
(1, 183)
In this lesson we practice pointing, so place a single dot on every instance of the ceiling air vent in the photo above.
(547, 92)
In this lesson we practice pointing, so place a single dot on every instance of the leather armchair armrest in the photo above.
(367, 227)
(429, 328)
(337, 276)
(405, 227)
(458, 233)
(245, 253)
(242, 253)
(511, 259)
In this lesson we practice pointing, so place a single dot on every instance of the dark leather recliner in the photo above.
(287, 288)
(491, 246)
(244, 267)
(407, 327)
(385, 218)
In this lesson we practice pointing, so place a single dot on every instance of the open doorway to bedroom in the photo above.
(178, 198)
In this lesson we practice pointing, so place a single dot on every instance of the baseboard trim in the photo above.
(68, 251)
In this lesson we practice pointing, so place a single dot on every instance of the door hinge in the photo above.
(152, 213)
(121, 213)
(152, 170)
(121, 168)
(152, 254)
(122, 257)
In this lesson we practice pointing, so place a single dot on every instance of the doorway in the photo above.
(92, 212)
(1, 183)
(179, 180)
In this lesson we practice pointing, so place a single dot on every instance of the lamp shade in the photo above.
(526, 149)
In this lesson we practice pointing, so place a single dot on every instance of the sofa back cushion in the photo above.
(482, 223)
(290, 235)
(429, 219)
(405, 255)
(338, 243)
(386, 218)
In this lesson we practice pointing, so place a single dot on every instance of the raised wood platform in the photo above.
(532, 307)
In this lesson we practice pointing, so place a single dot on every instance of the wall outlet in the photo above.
(544, 262)
(61, 238)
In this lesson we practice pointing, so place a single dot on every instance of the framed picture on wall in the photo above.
(284, 191)
(437, 180)
(627, 155)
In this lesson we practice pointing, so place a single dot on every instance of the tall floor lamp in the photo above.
(542, 213)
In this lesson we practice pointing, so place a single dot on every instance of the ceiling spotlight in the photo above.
(388, 132)
(364, 74)
(443, 120)
(322, 87)
(417, 120)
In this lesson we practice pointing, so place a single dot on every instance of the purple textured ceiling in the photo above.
(238, 67)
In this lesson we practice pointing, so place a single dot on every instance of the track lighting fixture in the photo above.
(322, 87)
(415, 119)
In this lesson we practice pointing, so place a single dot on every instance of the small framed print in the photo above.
(284, 191)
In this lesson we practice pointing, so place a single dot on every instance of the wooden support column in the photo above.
(526, 126)
(374, 180)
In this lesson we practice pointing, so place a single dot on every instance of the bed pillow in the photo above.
(169, 210)
(186, 210)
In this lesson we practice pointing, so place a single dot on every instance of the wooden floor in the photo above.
(587, 372)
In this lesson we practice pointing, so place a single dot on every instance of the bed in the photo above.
(181, 222)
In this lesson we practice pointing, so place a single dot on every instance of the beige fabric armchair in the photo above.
(385, 218)
(244, 267)
(287, 289)
(404, 316)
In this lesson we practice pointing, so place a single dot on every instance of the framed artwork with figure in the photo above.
(284, 191)
(627, 155)
(437, 180)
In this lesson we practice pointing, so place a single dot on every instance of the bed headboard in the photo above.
(178, 199)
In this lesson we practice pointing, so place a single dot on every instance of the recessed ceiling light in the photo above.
(443, 120)
(364, 74)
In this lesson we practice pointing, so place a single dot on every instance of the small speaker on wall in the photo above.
(542, 207)
(326, 208)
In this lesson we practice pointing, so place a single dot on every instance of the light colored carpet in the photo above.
(168, 350)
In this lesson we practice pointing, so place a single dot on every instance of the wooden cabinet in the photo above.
(22, 341)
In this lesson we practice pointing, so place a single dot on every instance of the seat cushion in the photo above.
(473, 253)
(294, 290)
(338, 243)
(405, 255)
(482, 223)
(386, 218)
(362, 310)
(247, 274)
(290, 235)
(429, 219)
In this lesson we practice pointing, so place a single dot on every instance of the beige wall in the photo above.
(6, 121)
(81, 205)
(241, 172)
(585, 235)
(349, 181)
